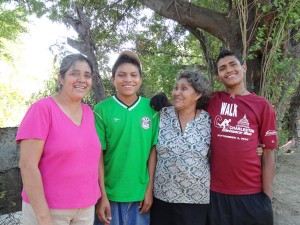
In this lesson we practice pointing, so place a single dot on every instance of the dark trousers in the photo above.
(253, 209)
(165, 213)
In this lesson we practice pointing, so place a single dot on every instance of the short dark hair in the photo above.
(70, 60)
(127, 57)
(223, 53)
(199, 83)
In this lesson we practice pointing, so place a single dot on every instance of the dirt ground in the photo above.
(286, 196)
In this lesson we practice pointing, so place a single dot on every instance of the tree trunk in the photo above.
(86, 46)
(294, 48)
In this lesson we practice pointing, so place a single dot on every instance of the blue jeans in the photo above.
(126, 213)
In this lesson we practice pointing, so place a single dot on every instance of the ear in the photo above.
(112, 79)
(59, 78)
(198, 96)
(244, 66)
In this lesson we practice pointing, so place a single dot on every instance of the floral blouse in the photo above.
(182, 172)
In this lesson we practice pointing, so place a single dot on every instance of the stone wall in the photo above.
(297, 135)
(9, 150)
(10, 179)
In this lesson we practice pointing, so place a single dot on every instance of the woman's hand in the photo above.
(259, 149)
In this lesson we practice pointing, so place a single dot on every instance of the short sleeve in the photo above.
(100, 128)
(268, 134)
(36, 122)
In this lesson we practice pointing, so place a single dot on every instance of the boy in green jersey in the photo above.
(127, 127)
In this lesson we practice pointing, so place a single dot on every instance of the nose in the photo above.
(127, 78)
(175, 92)
(229, 69)
(81, 78)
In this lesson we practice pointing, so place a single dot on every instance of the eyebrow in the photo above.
(120, 72)
(89, 72)
(231, 62)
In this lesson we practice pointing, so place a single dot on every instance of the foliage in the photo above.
(167, 46)
(258, 30)
(161, 49)
(285, 132)
(49, 89)
(12, 24)
(280, 70)
(217, 5)
(273, 26)
(286, 19)
(112, 23)
(12, 104)
(109, 87)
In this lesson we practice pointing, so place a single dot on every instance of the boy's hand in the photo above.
(146, 204)
(103, 210)
(159, 101)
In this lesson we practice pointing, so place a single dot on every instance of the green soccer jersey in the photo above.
(127, 135)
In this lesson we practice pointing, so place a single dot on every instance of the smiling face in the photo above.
(231, 72)
(184, 95)
(127, 81)
(77, 81)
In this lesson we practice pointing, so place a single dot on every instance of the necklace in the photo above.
(180, 120)
(232, 95)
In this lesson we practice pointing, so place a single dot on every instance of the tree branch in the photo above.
(192, 16)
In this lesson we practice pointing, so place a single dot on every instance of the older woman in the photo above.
(182, 177)
(60, 152)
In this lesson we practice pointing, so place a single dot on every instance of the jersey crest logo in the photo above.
(116, 120)
(145, 122)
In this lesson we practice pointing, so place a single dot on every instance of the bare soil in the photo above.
(286, 189)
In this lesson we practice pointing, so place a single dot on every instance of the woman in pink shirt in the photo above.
(60, 152)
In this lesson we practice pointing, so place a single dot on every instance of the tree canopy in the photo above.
(13, 21)
(170, 35)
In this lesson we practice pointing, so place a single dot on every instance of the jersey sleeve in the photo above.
(100, 126)
(155, 127)
(36, 122)
(268, 134)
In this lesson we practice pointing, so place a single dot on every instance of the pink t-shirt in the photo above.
(70, 158)
(238, 125)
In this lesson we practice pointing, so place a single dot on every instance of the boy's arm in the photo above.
(268, 171)
(148, 200)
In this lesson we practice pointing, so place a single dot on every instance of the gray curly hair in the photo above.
(199, 83)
